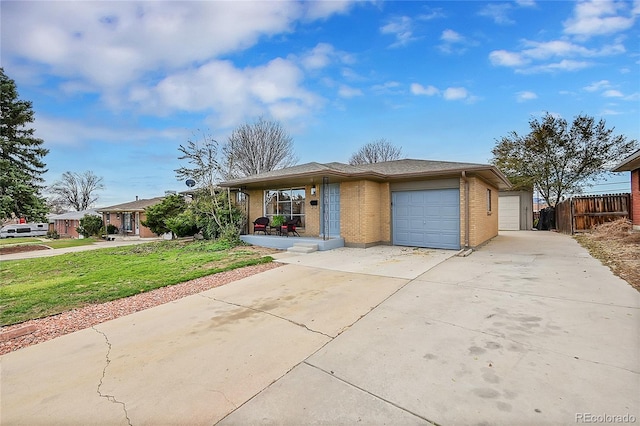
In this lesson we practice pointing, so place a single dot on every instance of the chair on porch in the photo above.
(260, 225)
(289, 227)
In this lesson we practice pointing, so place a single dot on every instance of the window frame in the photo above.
(290, 197)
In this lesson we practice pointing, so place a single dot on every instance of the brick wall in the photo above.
(635, 198)
(117, 220)
(66, 228)
(365, 213)
(483, 224)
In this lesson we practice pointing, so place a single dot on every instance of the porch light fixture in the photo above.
(313, 190)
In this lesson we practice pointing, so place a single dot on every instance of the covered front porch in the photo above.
(283, 242)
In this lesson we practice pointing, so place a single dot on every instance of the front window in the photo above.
(286, 202)
(127, 222)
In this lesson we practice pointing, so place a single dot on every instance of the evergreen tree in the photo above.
(21, 157)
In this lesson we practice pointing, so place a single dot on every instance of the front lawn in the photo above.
(35, 288)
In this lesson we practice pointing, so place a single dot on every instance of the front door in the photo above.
(331, 213)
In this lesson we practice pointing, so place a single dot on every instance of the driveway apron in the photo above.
(529, 329)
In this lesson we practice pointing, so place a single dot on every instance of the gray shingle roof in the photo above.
(74, 215)
(388, 170)
(132, 206)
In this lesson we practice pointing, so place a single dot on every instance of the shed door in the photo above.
(429, 218)
(509, 213)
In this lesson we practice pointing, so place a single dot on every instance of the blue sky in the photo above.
(118, 86)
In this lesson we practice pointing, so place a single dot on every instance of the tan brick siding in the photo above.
(635, 197)
(483, 225)
(365, 212)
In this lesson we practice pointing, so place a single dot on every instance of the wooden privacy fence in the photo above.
(579, 214)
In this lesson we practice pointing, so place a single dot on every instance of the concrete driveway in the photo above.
(527, 330)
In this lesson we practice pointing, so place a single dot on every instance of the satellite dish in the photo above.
(190, 183)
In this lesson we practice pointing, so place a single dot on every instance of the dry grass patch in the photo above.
(617, 246)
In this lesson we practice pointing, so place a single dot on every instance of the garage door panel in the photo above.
(509, 213)
(427, 218)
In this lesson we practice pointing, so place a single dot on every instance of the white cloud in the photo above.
(348, 92)
(450, 36)
(452, 42)
(324, 55)
(525, 96)
(498, 12)
(109, 44)
(455, 93)
(418, 89)
(230, 92)
(564, 65)
(507, 59)
(598, 85)
(612, 94)
(65, 132)
(388, 87)
(600, 17)
(401, 28)
(524, 61)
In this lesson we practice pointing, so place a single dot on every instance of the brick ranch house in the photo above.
(415, 203)
(632, 164)
(65, 224)
(127, 217)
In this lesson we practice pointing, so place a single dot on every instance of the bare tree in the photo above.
(76, 190)
(214, 211)
(376, 152)
(258, 147)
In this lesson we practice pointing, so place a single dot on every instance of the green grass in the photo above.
(35, 288)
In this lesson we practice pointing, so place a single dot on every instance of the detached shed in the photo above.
(515, 211)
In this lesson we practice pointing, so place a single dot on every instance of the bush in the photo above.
(90, 225)
(182, 225)
(53, 235)
(112, 229)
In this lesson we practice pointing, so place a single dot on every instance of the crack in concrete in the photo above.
(348, 383)
(110, 398)
(270, 313)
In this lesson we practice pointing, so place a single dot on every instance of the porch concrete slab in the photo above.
(320, 400)
(322, 300)
(385, 261)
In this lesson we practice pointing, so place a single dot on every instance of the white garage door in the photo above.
(509, 213)
(428, 218)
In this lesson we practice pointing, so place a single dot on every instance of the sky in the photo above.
(118, 86)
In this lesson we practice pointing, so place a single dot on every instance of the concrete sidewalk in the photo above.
(55, 252)
(527, 330)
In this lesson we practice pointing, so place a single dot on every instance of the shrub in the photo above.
(90, 225)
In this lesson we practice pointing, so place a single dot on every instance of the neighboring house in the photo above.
(65, 224)
(515, 212)
(415, 203)
(632, 164)
(128, 217)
